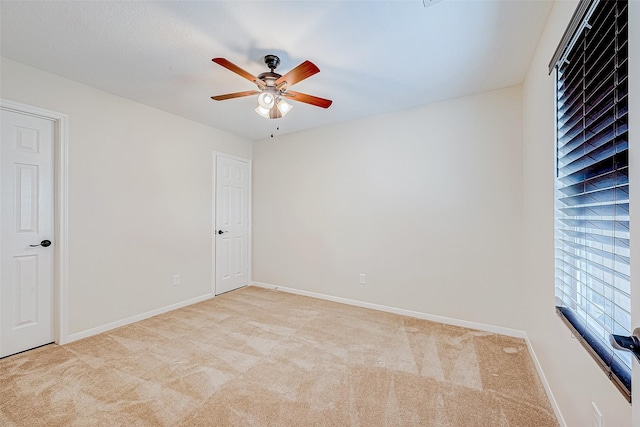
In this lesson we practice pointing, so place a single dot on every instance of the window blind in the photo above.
(592, 283)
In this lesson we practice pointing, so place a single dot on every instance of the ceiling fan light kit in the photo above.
(283, 106)
(266, 100)
(273, 87)
(264, 112)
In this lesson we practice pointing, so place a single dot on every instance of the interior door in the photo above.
(231, 223)
(26, 221)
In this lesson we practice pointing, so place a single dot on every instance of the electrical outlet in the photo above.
(598, 419)
(176, 279)
(363, 278)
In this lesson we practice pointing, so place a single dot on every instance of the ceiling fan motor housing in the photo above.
(269, 78)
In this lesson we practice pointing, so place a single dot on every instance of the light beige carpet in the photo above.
(257, 357)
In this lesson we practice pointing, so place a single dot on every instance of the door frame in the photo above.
(213, 215)
(60, 212)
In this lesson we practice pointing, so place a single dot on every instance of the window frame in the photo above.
(618, 372)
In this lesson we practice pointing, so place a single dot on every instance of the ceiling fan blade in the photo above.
(233, 67)
(301, 72)
(235, 95)
(308, 99)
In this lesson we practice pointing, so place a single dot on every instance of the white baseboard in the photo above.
(545, 383)
(516, 333)
(440, 319)
(109, 326)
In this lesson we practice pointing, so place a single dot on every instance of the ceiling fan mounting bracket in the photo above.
(272, 62)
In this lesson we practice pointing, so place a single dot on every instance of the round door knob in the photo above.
(44, 243)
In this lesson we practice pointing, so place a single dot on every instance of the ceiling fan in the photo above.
(274, 88)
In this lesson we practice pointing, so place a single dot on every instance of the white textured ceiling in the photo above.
(374, 56)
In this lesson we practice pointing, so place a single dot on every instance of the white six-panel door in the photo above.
(26, 220)
(231, 223)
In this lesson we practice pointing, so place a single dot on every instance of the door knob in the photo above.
(44, 243)
(221, 232)
(630, 343)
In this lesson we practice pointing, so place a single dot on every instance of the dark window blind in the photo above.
(592, 283)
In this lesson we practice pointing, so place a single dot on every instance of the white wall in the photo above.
(574, 377)
(140, 198)
(426, 202)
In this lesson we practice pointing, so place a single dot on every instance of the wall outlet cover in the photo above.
(598, 419)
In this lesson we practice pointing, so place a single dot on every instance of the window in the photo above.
(592, 282)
